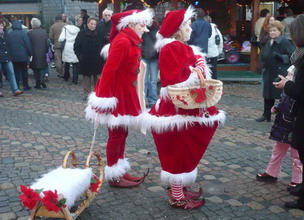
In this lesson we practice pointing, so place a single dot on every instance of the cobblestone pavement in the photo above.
(40, 126)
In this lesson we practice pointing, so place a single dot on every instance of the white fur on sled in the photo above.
(71, 183)
(117, 170)
(184, 178)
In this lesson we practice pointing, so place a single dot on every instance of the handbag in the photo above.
(62, 43)
(205, 95)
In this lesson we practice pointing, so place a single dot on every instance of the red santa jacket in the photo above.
(114, 101)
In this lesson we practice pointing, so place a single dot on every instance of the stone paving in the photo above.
(40, 126)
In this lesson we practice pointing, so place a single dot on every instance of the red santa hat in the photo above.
(121, 20)
(174, 20)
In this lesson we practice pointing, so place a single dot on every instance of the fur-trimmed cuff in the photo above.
(103, 104)
(183, 178)
(116, 171)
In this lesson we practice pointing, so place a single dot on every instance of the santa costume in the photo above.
(115, 102)
(180, 135)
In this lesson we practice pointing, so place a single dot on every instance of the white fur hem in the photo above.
(183, 178)
(117, 170)
(106, 104)
(112, 121)
(162, 123)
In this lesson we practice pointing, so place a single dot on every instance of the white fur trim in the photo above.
(189, 14)
(111, 121)
(117, 170)
(71, 183)
(145, 17)
(161, 41)
(105, 51)
(108, 104)
(161, 124)
(183, 178)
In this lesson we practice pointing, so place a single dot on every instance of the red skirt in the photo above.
(181, 151)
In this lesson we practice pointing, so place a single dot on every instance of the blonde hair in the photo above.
(179, 35)
(276, 24)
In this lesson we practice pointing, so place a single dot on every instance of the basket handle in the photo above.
(201, 77)
(74, 158)
(99, 163)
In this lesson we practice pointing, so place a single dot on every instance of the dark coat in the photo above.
(5, 55)
(149, 39)
(201, 31)
(103, 28)
(296, 91)
(87, 48)
(282, 127)
(19, 43)
(40, 45)
(276, 61)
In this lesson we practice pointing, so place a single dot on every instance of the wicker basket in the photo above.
(207, 94)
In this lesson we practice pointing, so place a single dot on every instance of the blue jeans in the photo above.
(10, 75)
(151, 80)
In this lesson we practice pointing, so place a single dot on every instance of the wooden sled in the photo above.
(84, 201)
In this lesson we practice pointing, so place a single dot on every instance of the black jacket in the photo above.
(296, 91)
(147, 50)
(87, 48)
(103, 29)
(40, 45)
(19, 43)
(5, 55)
(276, 61)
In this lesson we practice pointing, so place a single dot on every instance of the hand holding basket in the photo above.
(207, 94)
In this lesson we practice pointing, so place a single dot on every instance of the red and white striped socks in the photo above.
(177, 191)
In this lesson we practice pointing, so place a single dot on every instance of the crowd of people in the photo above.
(178, 51)
(281, 59)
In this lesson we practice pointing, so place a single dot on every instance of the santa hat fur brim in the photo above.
(145, 17)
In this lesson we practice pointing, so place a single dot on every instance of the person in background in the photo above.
(104, 26)
(259, 23)
(201, 31)
(6, 60)
(54, 34)
(40, 45)
(296, 90)
(85, 16)
(264, 33)
(69, 33)
(215, 46)
(281, 134)
(21, 50)
(150, 58)
(79, 22)
(87, 48)
(275, 58)
(286, 22)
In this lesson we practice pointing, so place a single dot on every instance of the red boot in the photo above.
(188, 194)
(123, 183)
(187, 203)
(129, 177)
